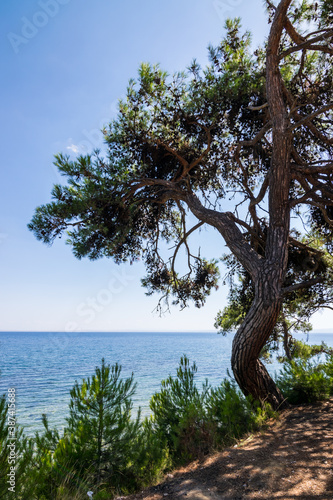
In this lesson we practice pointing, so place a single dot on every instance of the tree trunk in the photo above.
(251, 337)
(250, 373)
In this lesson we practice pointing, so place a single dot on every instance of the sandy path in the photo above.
(292, 459)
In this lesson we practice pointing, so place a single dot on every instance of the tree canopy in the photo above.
(253, 127)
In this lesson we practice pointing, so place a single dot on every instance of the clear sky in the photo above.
(65, 63)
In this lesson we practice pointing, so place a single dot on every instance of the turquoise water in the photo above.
(44, 366)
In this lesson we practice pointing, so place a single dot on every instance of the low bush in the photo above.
(106, 450)
(304, 379)
(179, 416)
(233, 415)
(191, 423)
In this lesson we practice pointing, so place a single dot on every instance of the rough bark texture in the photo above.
(250, 373)
(251, 337)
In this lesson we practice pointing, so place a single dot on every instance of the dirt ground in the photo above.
(292, 459)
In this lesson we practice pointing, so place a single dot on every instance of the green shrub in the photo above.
(232, 413)
(328, 369)
(100, 429)
(150, 458)
(304, 381)
(102, 449)
(191, 422)
(179, 415)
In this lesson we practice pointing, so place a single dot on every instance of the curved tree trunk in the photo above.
(268, 271)
(250, 373)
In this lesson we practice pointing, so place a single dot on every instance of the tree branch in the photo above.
(313, 169)
(308, 43)
(304, 120)
(258, 108)
(201, 157)
(290, 29)
(227, 227)
(170, 150)
(299, 244)
(257, 138)
(261, 193)
(279, 181)
(194, 228)
(298, 286)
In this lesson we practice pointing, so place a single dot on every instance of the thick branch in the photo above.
(308, 44)
(290, 29)
(313, 169)
(222, 221)
(225, 224)
(298, 286)
(308, 118)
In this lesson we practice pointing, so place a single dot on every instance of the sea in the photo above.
(42, 367)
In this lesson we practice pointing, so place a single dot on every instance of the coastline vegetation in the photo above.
(107, 450)
(242, 146)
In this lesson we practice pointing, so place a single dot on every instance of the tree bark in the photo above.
(250, 373)
(251, 337)
(268, 271)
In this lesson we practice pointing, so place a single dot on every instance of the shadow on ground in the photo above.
(293, 459)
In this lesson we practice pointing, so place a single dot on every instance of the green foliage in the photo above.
(307, 260)
(302, 351)
(150, 457)
(92, 442)
(197, 287)
(179, 413)
(306, 381)
(191, 422)
(232, 413)
(100, 428)
(104, 450)
(57, 472)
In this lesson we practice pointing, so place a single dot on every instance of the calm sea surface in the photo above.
(44, 366)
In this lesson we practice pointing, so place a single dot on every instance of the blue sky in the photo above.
(65, 63)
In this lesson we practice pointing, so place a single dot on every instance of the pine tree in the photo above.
(256, 124)
(100, 428)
